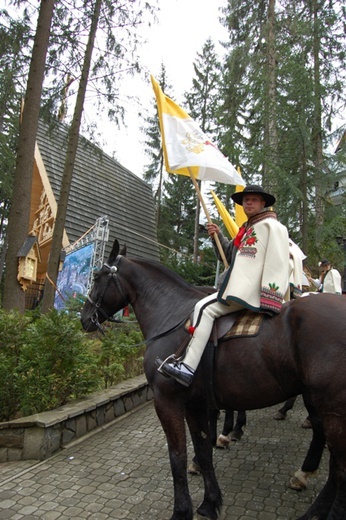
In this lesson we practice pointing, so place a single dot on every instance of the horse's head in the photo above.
(107, 296)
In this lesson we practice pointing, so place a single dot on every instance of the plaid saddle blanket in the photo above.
(235, 325)
(247, 324)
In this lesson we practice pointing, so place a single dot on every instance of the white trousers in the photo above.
(206, 311)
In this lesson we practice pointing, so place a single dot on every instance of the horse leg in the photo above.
(322, 505)
(282, 412)
(313, 457)
(223, 439)
(198, 422)
(171, 414)
(335, 428)
(330, 504)
(194, 467)
(338, 510)
(238, 431)
(213, 416)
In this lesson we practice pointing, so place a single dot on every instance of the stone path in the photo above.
(123, 471)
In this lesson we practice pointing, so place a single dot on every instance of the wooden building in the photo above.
(100, 187)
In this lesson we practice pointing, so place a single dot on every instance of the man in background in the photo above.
(329, 280)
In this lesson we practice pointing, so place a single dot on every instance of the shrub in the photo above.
(47, 360)
(12, 327)
(55, 366)
(119, 357)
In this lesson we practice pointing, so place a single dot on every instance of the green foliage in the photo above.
(55, 365)
(201, 273)
(12, 327)
(47, 360)
(74, 304)
(204, 98)
(282, 91)
(178, 211)
(118, 358)
(14, 60)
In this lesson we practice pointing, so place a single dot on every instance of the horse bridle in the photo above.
(112, 276)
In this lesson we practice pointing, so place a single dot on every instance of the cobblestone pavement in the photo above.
(123, 472)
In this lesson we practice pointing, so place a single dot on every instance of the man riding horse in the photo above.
(257, 279)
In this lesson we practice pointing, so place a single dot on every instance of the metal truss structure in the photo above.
(99, 235)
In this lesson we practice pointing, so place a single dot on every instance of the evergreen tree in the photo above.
(154, 171)
(178, 211)
(18, 221)
(14, 63)
(59, 225)
(282, 86)
(202, 103)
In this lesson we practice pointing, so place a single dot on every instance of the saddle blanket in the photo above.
(247, 324)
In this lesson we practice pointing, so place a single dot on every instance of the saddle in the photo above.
(238, 324)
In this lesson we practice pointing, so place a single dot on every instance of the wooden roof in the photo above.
(26, 247)
(100, 186)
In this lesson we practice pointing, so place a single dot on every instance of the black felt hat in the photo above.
(256, 190)
(323, 263)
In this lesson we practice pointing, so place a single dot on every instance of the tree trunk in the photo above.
(59, 225)
(270, 137)
(317, 124)
(305, 206)
(19, 216)
(159, 193)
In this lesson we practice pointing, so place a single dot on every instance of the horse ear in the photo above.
(114, 252)
(123, 250)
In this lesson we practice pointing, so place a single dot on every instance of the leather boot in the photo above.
(172, 367)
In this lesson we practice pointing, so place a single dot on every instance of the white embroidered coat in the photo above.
(332, 282)
(258, 276)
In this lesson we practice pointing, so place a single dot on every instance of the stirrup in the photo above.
(172, 358)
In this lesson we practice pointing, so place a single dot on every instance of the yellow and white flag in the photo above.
(187, 149)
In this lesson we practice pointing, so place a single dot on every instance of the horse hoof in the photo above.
(207, 513)
(194, 469)
(279, 416)
(223, 441)
(299, 481)
(296, 484)
(236, 436)
(306, 424)
(201, 517)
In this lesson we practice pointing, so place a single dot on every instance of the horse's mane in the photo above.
(172, 280)
(176, 278)
(174, 298)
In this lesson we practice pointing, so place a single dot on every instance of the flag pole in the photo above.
(215, 237)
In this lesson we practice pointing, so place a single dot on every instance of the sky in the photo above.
(183, 28)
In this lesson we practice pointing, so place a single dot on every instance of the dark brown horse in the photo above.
(300, 351)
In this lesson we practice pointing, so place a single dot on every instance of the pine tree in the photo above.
(154, 171)
(59, 225)
(14, 63)
(282, 85)
(178, 211)
(202, 103)
(18, 220)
